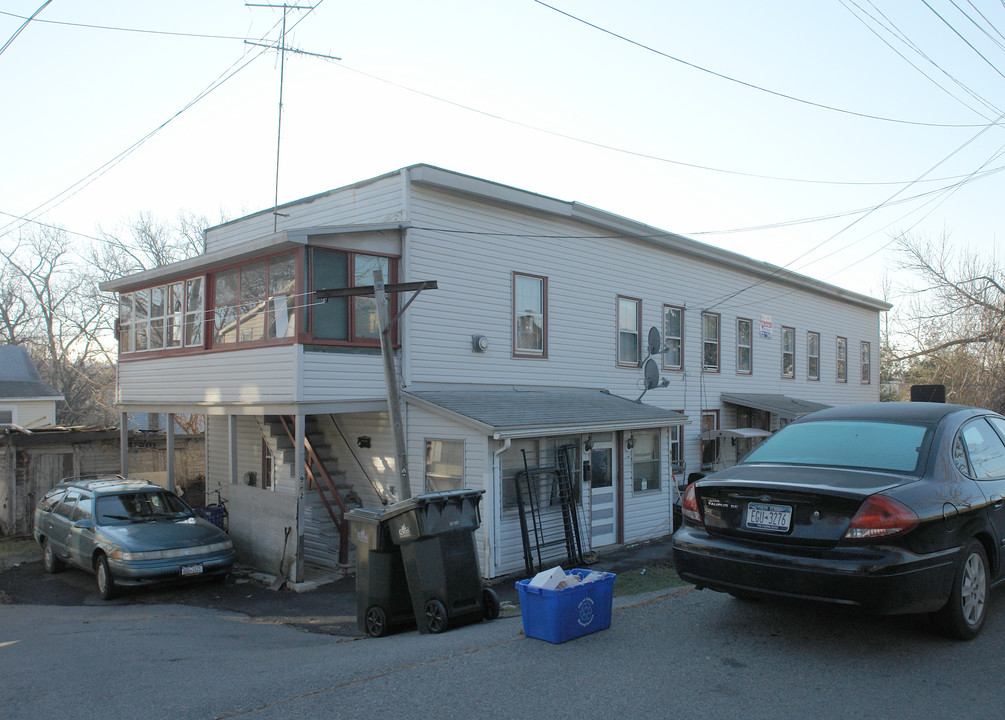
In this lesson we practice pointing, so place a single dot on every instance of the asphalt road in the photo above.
(688, 654)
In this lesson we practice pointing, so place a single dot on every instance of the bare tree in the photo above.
(146, 242)
(956, 320)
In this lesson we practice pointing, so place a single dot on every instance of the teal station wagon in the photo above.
(128, 533)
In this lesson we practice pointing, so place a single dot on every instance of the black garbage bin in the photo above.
(435, 533)
(382, 599)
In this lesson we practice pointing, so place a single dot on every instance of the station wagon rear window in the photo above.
(866, 445)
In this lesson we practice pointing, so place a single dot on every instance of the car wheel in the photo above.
(964, 614)
(491, 602)
(52, 563)
(376, 622)
(106, 583)
(436, 616)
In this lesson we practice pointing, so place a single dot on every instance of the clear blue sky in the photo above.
(509, 91)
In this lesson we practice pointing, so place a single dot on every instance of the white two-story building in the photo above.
(531, 354)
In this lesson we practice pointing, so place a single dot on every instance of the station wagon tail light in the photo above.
(689, 505)
(880, 517)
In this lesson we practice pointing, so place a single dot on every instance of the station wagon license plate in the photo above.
(191, 569)
(775, 518)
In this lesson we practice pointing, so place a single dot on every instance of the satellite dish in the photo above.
(651, 373)
(655, 341)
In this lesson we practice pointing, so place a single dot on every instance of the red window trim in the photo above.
(819, 347)
(750, 347)
(663, 320)
(718, 343)
(392, 271)
(617, 331)
(794, 354)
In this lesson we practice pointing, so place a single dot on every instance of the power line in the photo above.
(960, 36)
(126, 29)
(23, 26)
(744, 83)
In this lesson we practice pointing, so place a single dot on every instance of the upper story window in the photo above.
(744, 346)
(673, 337)
(164, 317)
(813, 355)
(710, 342)
(348, 320)
(629, 331)
(842, 359)
(866, 363)
(530, 315)
(254, 302)
(788, 352)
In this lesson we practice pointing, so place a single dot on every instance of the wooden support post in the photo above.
(391, 380)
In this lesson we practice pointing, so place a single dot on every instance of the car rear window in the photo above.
(867, 445)
(139, 507)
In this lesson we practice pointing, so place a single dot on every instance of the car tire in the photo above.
(52, 563)
(963, 616)
(103, 575)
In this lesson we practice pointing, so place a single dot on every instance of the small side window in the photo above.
(83, 509)
(51, 499)
(65, 507)
(984, 449)
(960, 456)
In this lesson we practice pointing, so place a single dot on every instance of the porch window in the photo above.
(744, 346)
(163, 317)
(530, 315)
(6, 417)
(673, 337)
(676, 453)
(866, 363)
(842, 360)
(348, 320)
(444, 465)
(788, 352)
(253, 303)
(629, 331)
(646, 461)
(710, 342)
(813, 356)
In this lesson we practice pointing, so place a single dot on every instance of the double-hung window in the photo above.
(646, 461)
(530, 316)
(673, 337)
(444, 465)
(842, 360)
(813, 355)
(348, 320)
(866, 363)
(710, 342)
(788, 352)
(629, 331)
(744, 346)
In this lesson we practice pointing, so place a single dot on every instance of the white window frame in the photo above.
(708, 342)
(811, 355)
(866, 362)
(624, 303)
(842, 359)
(541, 315)
(790, 333)
(673, 341)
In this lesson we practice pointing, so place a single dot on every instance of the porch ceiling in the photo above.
(522, 412)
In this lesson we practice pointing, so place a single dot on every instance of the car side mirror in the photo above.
(84, 524)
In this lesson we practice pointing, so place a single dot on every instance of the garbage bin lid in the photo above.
(441, 497)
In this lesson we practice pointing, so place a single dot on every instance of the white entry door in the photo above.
(603, 495)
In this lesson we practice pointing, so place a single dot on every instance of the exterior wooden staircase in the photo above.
(329, 498)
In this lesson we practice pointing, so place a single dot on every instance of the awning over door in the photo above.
(525, 412)
(735, 433)
(784, 406)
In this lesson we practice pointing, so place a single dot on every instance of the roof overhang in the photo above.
(518, 412)
(207, 262)
(784, 406)
(735, 433)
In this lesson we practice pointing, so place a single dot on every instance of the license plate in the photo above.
(191, 569)
(775, 518)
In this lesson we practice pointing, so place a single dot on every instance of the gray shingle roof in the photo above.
(515, 412)
(19, 378)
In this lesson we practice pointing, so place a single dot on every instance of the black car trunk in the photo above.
(790, 505)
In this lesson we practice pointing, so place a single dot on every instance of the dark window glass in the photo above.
(985, 449)
(331, 318)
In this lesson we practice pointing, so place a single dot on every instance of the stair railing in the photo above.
(311, 458)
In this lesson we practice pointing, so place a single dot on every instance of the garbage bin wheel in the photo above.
(376, 622)
(491, 602)
(436, 616)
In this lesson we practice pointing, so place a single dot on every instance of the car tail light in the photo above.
(689, 505)
(879, 517)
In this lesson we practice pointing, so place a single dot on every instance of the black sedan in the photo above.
(890, 507)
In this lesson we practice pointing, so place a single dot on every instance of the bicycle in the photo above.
(217, 512)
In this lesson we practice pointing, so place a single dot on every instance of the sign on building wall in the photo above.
(766, 326)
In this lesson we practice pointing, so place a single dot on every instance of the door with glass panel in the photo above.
(603, 495)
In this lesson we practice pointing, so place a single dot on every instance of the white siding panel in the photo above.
(365, 468)
(333, 376)
(647, 514)
(375, 202)
(258, 375)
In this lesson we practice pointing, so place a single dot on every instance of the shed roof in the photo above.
(19, 380)
(782, 405)
(529, 411)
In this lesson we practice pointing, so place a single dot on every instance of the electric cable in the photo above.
(23, 26)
